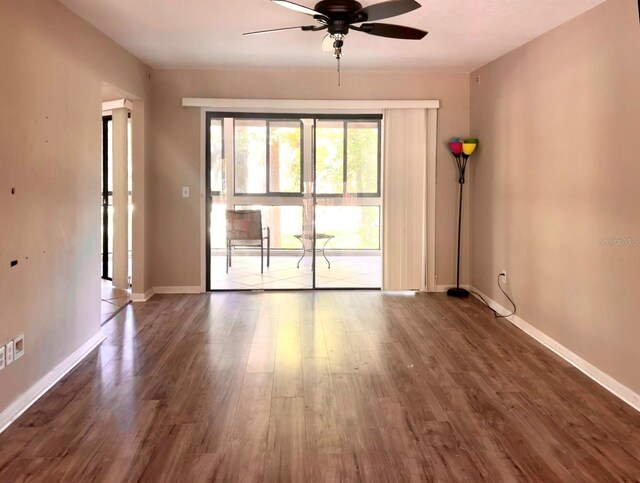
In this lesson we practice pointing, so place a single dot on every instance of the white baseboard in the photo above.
(605, 380)
(35, 392)
(176, 290)
(142, 297)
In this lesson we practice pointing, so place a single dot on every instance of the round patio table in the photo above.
(319, 236)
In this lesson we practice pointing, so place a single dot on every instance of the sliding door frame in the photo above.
(105, 196)
(318, 109)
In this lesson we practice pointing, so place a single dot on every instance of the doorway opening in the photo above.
(293, 201)
(116, 229)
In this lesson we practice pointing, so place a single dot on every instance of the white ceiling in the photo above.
(195, 34)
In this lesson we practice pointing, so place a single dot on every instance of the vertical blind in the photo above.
(404, 199)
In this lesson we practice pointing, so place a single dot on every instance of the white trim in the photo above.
(118, 104)
(293, 104)
(605, 380)
(35, 392)
(432, 149)
(178, 289)
(142, 297)
(203, 201)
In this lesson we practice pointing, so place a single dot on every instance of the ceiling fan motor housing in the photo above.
(341, 13)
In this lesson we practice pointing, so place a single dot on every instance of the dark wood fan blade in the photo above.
(392, 8)
(391, 31)
(296, 7)
(301, 27)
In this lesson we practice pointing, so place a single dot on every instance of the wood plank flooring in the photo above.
(325, 386)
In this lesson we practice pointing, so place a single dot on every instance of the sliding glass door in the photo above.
(261, 205)
(106, 236)
(293, 202)
(107, 225)
(348, 203)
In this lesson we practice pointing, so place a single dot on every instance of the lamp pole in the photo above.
(461, 152)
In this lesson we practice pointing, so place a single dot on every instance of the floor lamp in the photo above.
(461, 151)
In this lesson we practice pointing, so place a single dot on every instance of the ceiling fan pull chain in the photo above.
(338, 71)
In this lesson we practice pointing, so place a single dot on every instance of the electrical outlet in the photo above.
(18, 347)
(503, 274)
(2, 362)
(8, 352)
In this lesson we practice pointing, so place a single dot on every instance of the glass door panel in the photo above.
(107, 227)
(315, 186)
(106, 245)
(348, 204)
(256, 222)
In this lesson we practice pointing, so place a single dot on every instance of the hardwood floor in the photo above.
(112, 300)
(325, 386)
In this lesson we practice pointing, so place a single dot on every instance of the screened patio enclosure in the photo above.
(316, 182)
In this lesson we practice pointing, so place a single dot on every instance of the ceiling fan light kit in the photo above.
(340, 16)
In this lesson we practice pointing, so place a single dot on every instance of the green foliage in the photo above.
(362, 158)
(329, 158)
(284, 143)
(250, 156)
(357, 228)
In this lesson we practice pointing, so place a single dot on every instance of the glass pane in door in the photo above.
(304, 203)
(250, 148)
(257, 223)
(329, 157)
(348, 204)
(106, 233)
(285, 157)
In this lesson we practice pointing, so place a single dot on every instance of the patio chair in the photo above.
(244, 229)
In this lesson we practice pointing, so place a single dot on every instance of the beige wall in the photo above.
(54, 65)
(176, 143)
(558, 171)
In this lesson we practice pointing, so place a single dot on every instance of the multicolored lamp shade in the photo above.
(469, 146)
(456, 146)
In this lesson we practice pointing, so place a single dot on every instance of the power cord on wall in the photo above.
(495, 312)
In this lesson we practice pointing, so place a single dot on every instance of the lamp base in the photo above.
(458, 292)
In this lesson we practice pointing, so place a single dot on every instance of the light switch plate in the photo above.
(2, 362)
(8, 352)
(185, 191)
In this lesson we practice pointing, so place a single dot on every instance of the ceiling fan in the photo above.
(340, 16)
